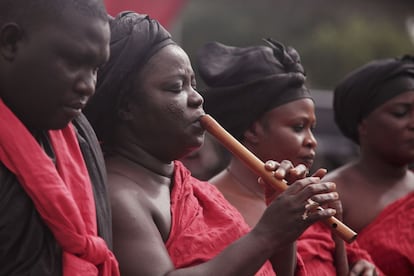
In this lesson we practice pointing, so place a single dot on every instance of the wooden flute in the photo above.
(257, 166)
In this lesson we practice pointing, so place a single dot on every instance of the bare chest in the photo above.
(362, 205)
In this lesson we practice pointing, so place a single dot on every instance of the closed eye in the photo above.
(298, 128)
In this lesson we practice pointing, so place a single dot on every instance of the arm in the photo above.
(340, 255)
(340, 258)
(140, 248)
(360, 261)
(350, 259)
(284, 263)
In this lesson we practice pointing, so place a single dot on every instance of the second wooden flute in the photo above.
(257, 166)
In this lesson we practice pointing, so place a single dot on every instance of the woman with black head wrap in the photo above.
(374, 107)
(165, 222)
(258, 94)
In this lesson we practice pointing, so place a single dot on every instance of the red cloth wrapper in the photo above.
(62, 194)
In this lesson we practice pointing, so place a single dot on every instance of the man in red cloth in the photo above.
(54, 213)
(166, 222)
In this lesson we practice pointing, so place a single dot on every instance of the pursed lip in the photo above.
(196, 122)
(198, 116)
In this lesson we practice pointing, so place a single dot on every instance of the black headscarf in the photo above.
(134, 39)
(244, 83)
(368, 87)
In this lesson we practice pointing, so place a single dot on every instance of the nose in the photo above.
(195, 99)
(85, 85)
(310, 140)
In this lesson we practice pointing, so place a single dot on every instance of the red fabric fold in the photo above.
(390, 238)
(62, 194)
(317, 248)
(203, 222)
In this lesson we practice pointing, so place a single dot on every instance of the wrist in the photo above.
(267, 242)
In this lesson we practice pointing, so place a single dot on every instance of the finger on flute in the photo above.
(257, 166)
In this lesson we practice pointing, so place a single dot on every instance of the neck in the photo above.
(380, 168)
(141, 157)
(244, 178)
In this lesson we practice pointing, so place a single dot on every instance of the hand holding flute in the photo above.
(296, 196)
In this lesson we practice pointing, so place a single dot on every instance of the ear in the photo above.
(253, 133)
(10, 35)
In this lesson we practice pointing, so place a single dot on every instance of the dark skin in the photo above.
(206, 161)
(48, 72)
(380, 176)
(283, 133)
(159, 126)
(48, 69)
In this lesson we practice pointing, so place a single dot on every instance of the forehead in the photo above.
(75, 32)
(295, 108)
(171, 59)
(404, 97)
(301, 109)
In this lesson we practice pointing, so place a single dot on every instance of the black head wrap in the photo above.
(134, 39)
(368, 87)
(244, 83)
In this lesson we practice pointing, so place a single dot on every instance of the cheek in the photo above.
(289, 149)
(175, 111)
(382, 129)
(281, 145)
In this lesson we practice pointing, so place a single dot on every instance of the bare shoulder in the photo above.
(135, 230)
(125, 189)
(121, 187)
(344, 177)
(128, 200)
(348, 184)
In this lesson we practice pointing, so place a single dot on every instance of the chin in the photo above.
(190, 149)
(45, 126)
(198, 144)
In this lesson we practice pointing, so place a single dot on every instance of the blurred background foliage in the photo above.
(333, 37)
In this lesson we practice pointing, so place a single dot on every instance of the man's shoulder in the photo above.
(5, 173)
(89, 144)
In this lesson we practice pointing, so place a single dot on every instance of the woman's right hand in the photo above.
(290, 213)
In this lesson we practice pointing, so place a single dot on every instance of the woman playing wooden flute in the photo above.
(254, 93)
(165, 222)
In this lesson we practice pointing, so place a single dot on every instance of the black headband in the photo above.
(134, 39)
(244, 83)
(368, 87)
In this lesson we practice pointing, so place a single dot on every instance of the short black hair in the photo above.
(28, 10)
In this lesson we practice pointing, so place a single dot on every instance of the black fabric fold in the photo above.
(245, 82)
(368, 87)
(134, 39)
